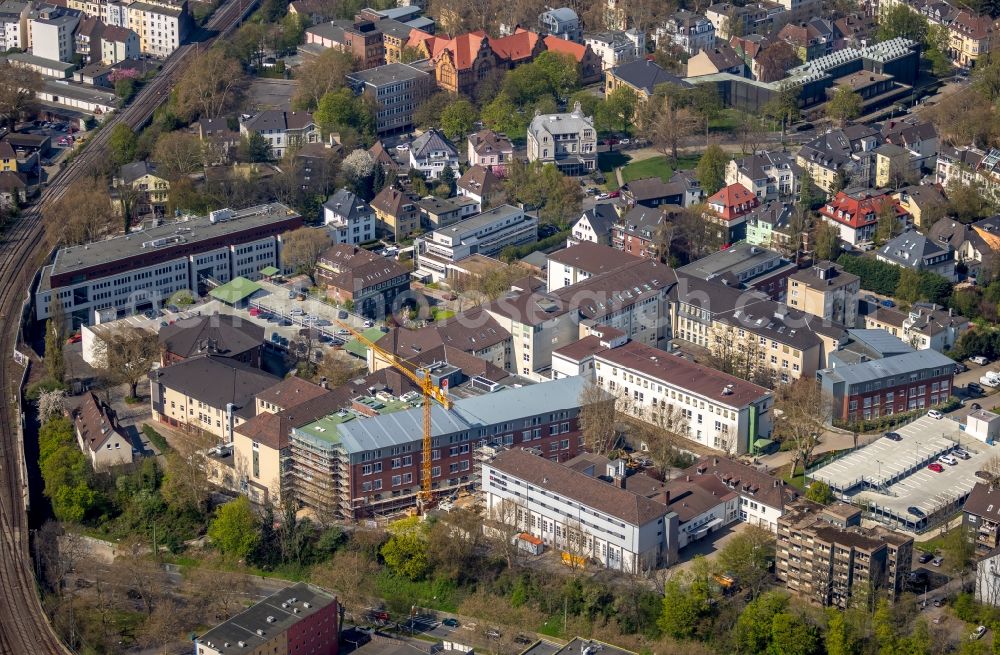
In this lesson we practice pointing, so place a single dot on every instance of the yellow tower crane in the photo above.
(431, 392)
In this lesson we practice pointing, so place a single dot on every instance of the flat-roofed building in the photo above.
(827, 291)
(398, 89)
(487, 234)
(138, 271)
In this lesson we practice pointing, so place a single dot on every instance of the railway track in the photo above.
(24, 627)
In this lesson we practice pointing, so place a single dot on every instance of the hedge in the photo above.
(883, 422)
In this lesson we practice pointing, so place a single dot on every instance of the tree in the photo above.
(55, 365)
(428, 114)
(820, 492)
(560, 70)
(753, 632)
(841, 634)
(667, 121)
(458, 119)
(908, 289)
(406, 551)
(209, 85)
(888, 225)
(235, 529)
(125, 88)
(341, 110)
(87, 212)
(502, 116)
(711, 170)
(936, 50)
(598, 419)
(620, 105)
(845, 105)
(901, 21)
(783, 107)
(127, 354)
(791, 635)
(302, 248)
(808, 192)
(51, 404)
(959, 553)
(704, 101)
(321, 75)
(748, 556)
(18, 86)
(253, 148)
(775, 60)
(122, 144)
(751, 132)
(177, 154)
(802, 410)
(683, 607)
(358, 170)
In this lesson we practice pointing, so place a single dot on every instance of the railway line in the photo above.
(24, 627)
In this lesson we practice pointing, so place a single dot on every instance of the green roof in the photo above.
(236, 290)
(268, 271)
(325, 429)
(357, 348)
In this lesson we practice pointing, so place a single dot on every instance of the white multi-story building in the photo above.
(583, 261)
(348, 218)
(567, 140)
(585, 517)
(688, 31)
(115, 13)
(52, 33)
(486, 234)
(762, 496)
(162, 27)
(140, 271)
(282, 129)
(431, 153)
(14, 24)
(118, 44)
(768, 175)
(617, 47)
(707, 406)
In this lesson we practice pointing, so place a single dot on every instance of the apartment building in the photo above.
(118, 44)
(729, 207)
(595, 225)
(431, 153)
(14, 24)
(135, 272)
(487, 234)
(207, 394)
(891, 385)
(970, 36)
(51, 32)
(300, 619)
(616, 47)
(436, 213)
(745, 266)
(640, 230)
(398, 89)
(925, 325)
(728, 321)
(396, 213)
(763, 497)
(281, 129)
(562, 23)
(371, 282)
(538, 324)
(825, 557)
(581, 262)
(767, 175)
(162, 26)
(581, 514)
(981, 518)
(847, 152)
(856, 215)
(711, 408)
(770, 226)
(97, 434)
(567, 140)
(153, 190)
(351, 467)
(348, 218)
(827, 291)
(361, 37)
(687, 31)
(488, 148)
(221, 335)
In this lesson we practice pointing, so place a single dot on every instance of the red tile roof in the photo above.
(555, 44)
(463, 48)
(733, 201)
(857, 212)
(515, 47)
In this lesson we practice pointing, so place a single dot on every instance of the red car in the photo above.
(76, 338)
(937, 468)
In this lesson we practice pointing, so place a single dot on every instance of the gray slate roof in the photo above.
(647, 75)
(431, 141)
(888, 367)
(217, 381)
(347, 204)
(910, 249)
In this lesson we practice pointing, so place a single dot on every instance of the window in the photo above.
(397, 480)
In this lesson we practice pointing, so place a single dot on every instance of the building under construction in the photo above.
(349, 466)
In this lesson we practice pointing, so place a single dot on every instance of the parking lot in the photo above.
(891, 477)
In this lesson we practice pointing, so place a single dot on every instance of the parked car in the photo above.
(961, 368)
(804, 127)
(893, 436)
(403, 147)
(76, 338)
(614, 194)
(872, 299)
(935, 414)
(493, 633)
(974, 387)
(948, 459)
(369, 323)
(916, 511)
(602, 196)
(975, 406)
(925, 557)
(961, 454)
(888, 303)
(525, 639)
(979, 359)
(978, 634)
(937, 561)
(450, 622)
(934, 466)
(296, 312)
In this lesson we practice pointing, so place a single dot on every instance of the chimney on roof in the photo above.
(619, 481)
(715, 461)
(665, 497)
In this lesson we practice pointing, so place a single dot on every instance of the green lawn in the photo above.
(726, 121)
(657, 167)
(438, 314)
